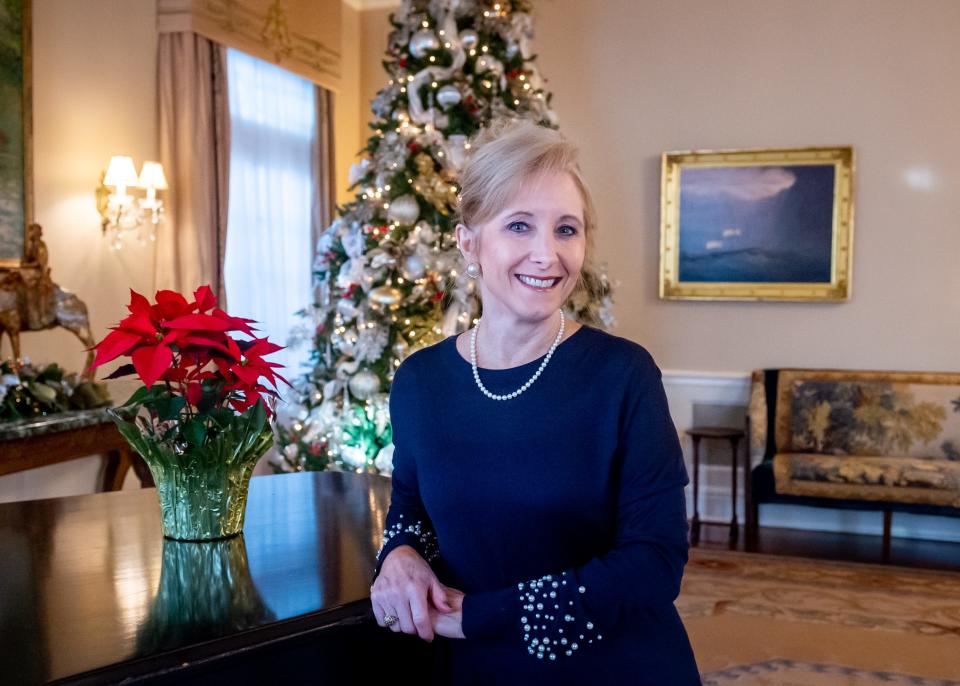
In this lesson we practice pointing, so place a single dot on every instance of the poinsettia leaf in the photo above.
(204, 322)
(141, 323)
(201, 341)
(195, 431)
(174, 374)
(138, 396)
(115, 344)
(205, 298)
(169, 407)
(151, 362)
(122, 370)
(261, 346)
(194, 393)
(235, 323)
(245, 373)
(171, 304)
(168, 297)
(222, 416)
(233, 347)
(139, 304)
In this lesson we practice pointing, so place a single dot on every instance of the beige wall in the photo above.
(644, 77)
(633, 79)
(375, 27)
(94, 95)
(347, 106)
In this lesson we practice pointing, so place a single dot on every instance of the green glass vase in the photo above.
(205, 592)
(202, 488)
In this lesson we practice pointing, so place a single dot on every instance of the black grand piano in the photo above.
(91, 592)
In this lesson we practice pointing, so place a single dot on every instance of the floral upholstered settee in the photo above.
(864, 440)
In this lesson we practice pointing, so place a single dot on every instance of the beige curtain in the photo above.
(325, 203)
(195, 152)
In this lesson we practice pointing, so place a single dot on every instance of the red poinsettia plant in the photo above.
(198, 379)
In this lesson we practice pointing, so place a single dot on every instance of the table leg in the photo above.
(141, 470)
(734, 526)
(116, 464)
(887, 526)
(695, 522)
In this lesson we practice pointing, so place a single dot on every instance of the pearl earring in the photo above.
(473, 270)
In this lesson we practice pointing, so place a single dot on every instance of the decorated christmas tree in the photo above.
(388, 271)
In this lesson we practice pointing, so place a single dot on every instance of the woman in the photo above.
(538, 522)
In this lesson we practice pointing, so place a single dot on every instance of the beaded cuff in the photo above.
(426, 539)
(548, 628)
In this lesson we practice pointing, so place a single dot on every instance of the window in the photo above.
(272, 199)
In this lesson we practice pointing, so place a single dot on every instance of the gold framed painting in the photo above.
(16, 158)
(772, 224)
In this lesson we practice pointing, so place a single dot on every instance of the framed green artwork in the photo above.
(16, 164)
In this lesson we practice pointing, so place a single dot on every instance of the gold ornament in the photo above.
(386, 295)
(436, 188)
(424, 164)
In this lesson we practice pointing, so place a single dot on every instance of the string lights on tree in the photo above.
(388, 276)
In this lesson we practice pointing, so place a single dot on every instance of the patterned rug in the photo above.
(760, 620)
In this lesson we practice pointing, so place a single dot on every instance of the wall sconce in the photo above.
(123, 212)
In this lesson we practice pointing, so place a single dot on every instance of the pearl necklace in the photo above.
(507, 396)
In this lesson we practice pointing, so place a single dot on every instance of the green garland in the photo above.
(31, 391)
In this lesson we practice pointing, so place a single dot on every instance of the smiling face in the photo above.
(531, 253)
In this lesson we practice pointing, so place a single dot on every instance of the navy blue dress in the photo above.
(560, 513)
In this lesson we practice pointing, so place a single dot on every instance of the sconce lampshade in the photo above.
(121, 172)
(151, 176)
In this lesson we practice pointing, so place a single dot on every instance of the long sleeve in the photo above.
(407, 520)
(555, 614)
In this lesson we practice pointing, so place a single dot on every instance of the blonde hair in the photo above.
(508, 152)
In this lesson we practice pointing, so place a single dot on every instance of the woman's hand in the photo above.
(404, 588)
(450, 624)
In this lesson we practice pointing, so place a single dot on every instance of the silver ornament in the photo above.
(488, 63)
(422, 41)
(347, 310)
(404, 210)
(413, 267)
(364, 384)
(427, 233)
(456, 148)
(412, 240)
(448, 96)
(469, 39)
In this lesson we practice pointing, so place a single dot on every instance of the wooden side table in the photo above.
(733, 435)
(28, 444)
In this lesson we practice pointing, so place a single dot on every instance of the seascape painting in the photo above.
(13, 190)
(766, 224)
(756, 224)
